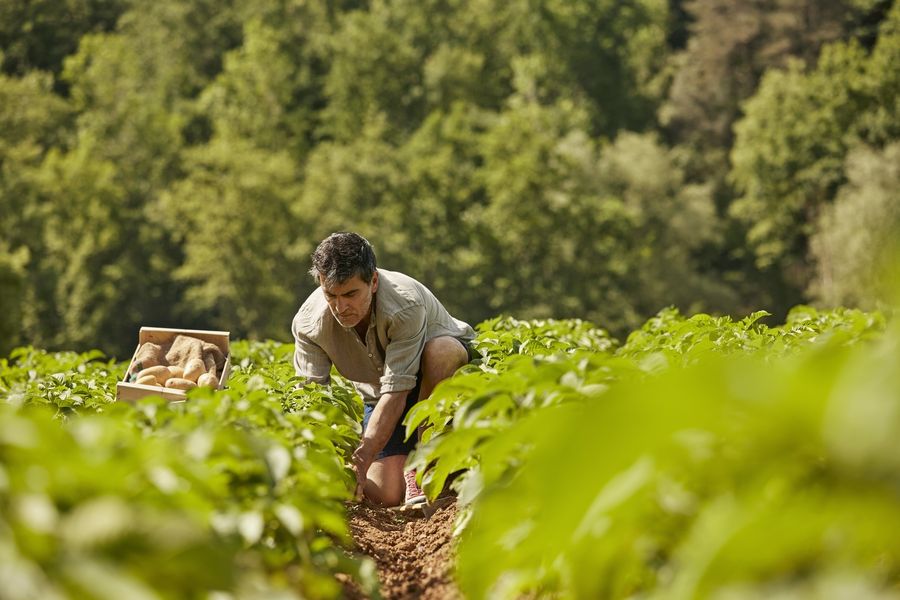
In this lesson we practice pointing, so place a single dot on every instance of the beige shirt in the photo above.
(406, 315)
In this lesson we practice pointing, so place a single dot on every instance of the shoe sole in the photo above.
(424, 509)
(416, 500)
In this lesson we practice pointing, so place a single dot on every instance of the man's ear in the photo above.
(375, 282)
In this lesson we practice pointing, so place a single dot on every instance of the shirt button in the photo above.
(370, 355)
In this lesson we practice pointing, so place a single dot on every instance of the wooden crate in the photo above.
(129, 392)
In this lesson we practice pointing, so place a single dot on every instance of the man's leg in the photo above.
(384, 481)
(441, 358)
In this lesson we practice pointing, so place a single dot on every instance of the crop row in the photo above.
(702, 456)
(239, 493)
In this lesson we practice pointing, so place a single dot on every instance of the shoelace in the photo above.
(414, 493)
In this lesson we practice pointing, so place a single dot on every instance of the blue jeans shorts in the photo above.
(397, 444)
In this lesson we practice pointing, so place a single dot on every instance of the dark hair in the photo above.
(342, 255)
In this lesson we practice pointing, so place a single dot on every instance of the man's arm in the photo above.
(407, 339)
(310, 361)
(382, 423)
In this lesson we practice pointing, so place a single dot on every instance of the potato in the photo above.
(161, 373)
(179, 383)
(176, 371)
(210, 363)
(208, 380)
(194, 369)
(147, 380)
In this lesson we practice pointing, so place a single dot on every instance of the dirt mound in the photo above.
(413, 552)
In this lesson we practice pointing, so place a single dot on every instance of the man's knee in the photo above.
(442, 356)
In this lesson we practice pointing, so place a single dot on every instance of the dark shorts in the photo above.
(397, 444)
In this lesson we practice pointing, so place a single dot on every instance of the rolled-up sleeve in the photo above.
(310, 361)
(406, 340)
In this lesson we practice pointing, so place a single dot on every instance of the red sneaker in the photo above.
(414, 494)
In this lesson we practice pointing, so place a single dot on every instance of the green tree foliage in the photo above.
(790, 149)
(404, 59)
(351, 186)
(124, 96)
(445, 192)
(32, 121)
(508, 154)
(270, 87)
(83, 252)
(727, 49)
(232, 218)
(731, 45)
(40, 34)
(537, 176)
(855, 238)
(675, 227)
(12, 295)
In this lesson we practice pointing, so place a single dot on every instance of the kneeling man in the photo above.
(390, 336)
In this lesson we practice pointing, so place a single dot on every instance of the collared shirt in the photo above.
(405, 315)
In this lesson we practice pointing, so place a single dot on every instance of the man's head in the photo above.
(344, 265)
(342, 255)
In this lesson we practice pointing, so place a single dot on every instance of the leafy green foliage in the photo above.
(231, 217)
(732, 45)
(704, 456)
(790, 149)
(854, 241)
(655, 467)
(545, 158)
(721, 478)
(39, 35)
(239, 490)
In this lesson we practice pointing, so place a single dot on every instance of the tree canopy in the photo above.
(175, 163)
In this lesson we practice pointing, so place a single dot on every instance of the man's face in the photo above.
(351, 300)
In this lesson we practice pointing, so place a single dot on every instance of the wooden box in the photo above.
(129, 392)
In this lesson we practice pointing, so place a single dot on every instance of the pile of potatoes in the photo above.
(193, 374)
(182, 364)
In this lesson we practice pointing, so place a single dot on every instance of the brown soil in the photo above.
(413, 552)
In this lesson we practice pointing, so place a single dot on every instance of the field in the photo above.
(699, 457)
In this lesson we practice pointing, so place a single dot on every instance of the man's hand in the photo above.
(360, 462)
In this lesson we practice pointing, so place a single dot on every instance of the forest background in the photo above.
(174, 163)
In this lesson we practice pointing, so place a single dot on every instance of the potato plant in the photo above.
(701, 457)
(704, 457)
(237, 493)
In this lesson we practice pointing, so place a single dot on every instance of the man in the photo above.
(391, 337)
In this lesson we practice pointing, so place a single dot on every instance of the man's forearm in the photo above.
(384, 419)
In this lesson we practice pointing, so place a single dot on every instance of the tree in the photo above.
(404, 59)
(13, 276)
(855, 237)
(96, 264)
(32, 121)
(731, 45)
(271, 87)
(790, 148)
(39, 34)
(352, 187)
(676, 229)
(232, 217)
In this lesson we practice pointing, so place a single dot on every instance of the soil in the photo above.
(413, 550)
